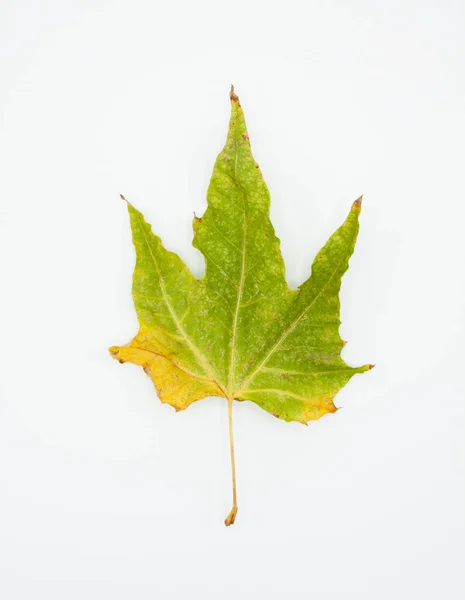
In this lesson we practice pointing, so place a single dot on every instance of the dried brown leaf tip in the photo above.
(233, 96)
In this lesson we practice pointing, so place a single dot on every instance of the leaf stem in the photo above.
(232, 515)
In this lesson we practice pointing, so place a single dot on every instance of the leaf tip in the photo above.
(114, 351)
(125, 199)
(369, 367)
(233, 97)
(358, 203)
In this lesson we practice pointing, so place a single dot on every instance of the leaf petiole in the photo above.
(232, 515)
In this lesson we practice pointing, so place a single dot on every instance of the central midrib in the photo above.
(240, 289)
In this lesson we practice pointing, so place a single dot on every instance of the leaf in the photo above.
(240, 332)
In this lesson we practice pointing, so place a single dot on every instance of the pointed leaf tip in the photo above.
(233, 97)
(358, 202)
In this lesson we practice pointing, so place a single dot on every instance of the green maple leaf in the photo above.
(240, 332)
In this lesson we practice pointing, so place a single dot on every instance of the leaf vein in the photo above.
(290, 328)
(205, 365)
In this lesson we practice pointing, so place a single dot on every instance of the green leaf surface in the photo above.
(240, 332)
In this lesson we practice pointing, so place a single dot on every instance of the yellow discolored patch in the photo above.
(174, 385)
(313, 410)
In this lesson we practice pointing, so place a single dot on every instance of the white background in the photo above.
(106, 493)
